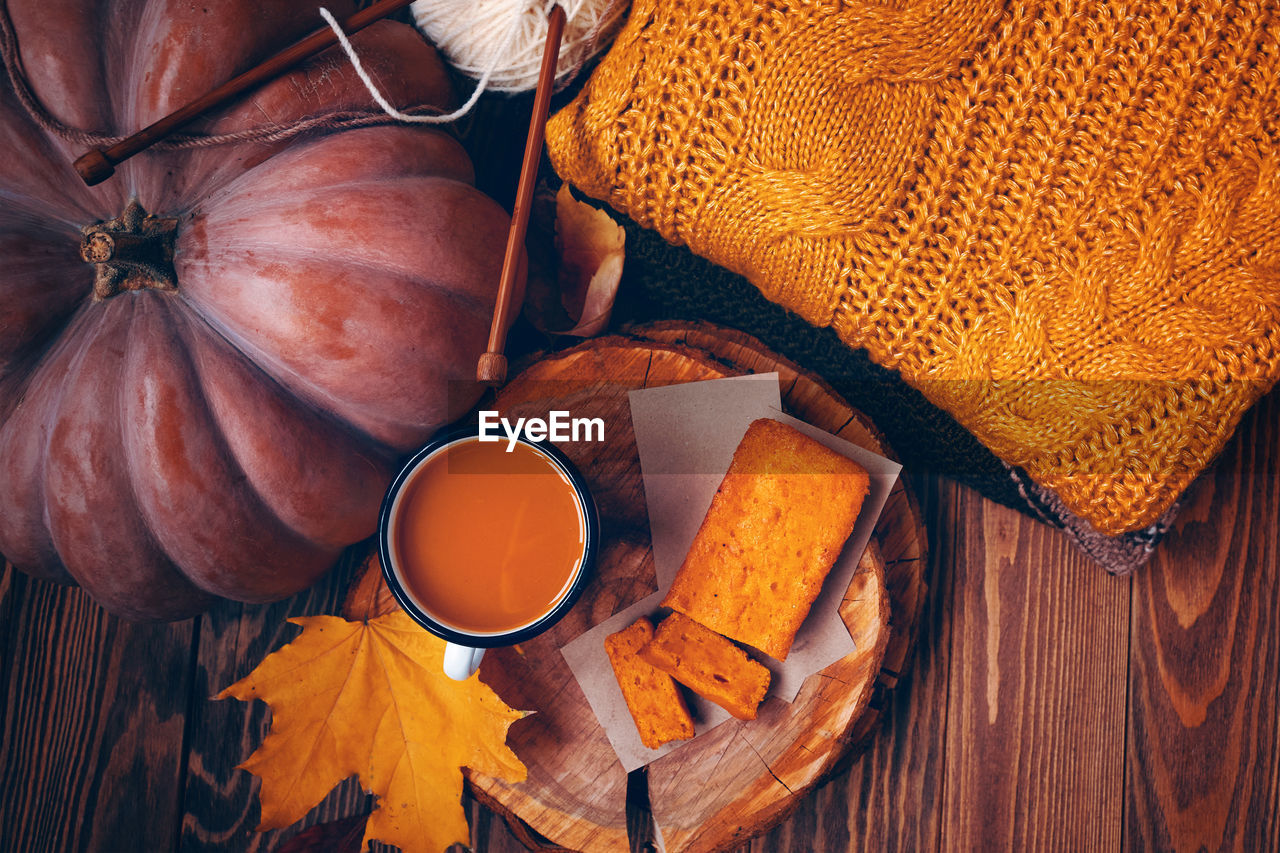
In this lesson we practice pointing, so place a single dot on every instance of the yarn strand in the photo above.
(387, 107)
(272, 132)
(468, 32)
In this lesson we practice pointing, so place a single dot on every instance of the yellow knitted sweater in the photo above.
(1061, 222)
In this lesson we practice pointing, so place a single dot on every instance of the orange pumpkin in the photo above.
(214, 401)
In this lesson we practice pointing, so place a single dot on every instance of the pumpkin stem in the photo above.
(131, 252)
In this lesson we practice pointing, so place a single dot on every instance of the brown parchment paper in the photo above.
(686, 435)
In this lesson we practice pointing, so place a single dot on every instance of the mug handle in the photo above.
(461, 661)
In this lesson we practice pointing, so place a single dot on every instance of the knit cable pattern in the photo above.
(1060, 221)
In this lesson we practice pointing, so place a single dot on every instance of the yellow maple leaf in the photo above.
(369, 697)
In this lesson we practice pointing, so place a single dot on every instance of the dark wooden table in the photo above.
(1048, 705)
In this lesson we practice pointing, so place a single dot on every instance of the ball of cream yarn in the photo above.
(508, 36)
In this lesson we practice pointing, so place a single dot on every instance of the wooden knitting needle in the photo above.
(492, 367)
(99, 164)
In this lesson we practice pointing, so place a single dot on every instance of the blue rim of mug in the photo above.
(591, 538)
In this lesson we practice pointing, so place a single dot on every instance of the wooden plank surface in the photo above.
(890, 796)
(222, 802)
(1204, 755)
(742, 777)
(1036, 708)
(1127, 713)
(94, 724)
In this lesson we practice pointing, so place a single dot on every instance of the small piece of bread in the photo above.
(653, 699)
(775, 527)
(707, 663)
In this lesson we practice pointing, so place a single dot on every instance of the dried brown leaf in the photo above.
(589, 253)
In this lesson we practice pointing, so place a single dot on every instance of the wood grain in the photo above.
(490, 832)
(94, 711)
(97, 712)
(701, 794)
(221, 800)
(576, 790)
(889, 797)
(1203, 769)
(713, 793)
(1036, 705)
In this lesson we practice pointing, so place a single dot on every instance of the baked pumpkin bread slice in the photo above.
(707, 663)
(655, 703)
(775, 527)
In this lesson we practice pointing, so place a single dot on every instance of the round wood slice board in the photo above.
(742, 777)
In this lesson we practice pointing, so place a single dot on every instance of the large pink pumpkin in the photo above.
(224, 424)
